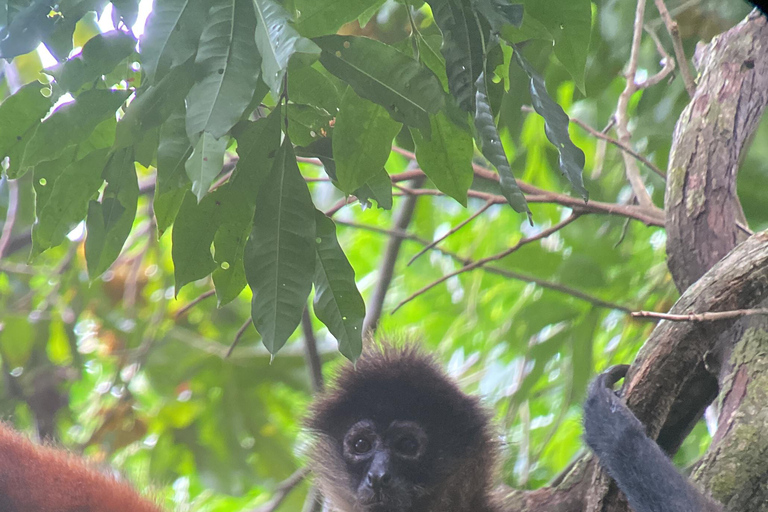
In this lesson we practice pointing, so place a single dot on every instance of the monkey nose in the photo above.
(379, 479)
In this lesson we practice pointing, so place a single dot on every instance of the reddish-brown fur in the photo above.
(36, 478)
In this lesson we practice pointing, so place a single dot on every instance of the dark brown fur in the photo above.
(389, 384)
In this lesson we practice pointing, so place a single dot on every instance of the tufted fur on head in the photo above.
(389, 384)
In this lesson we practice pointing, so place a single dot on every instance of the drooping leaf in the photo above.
(318, 18)
(500, 13)
(307, 123)
(228, 60)
(377, 72)
(71, 123)
(20, 115)
(171, 183)
(556, 123)
(338, 303)
(362, 140)
(278, 41)
(279, 255)
(311, 87)
(490, 145)
(125, 12)
(99, 56)
(68, 201)
(570, 24)
(153, 104)
(205, 163)
(462, 48)
(256, 148)
(109, 221)
(192, 235)
(171, 35)
(446, 158)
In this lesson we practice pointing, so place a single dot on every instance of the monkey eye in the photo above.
(407, 445)
(362, 445)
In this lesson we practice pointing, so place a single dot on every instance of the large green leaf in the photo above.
(446, 158)
(570, 24)
(556, 123)
(171, 35)
(205, 163)
(71, 123)
(278, 41)
(228, 61)
(279, 255)
(20, 115)
(378, 72)
(109, 222)
(25, 31)
(318, 18)
(311, 87)
(462, 48)
(153, 104)
(490, 145)
(68, 201)
(171, 183)
(256, 149)
(99, 56)
(338, 303)
(362, 140)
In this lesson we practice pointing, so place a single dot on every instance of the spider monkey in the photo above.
(40, 479)
(396, 434)
(637, 464)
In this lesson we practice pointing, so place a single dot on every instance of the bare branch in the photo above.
(10, 215)
(710, 316)
(283, 490)
(200, 298)
(677, 44)
(238, 336)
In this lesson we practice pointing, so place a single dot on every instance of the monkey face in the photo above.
(384, 462)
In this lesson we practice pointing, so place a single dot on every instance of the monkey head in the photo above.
(396, 434)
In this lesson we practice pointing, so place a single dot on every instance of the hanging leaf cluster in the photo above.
(272, 81)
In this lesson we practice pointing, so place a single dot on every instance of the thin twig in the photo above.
(677, 45)
(711, 316)
(314, 364)
(197, 300)
(611, 140)
(483, 261)
(283, 490)
(472, 217)
(238, 335)
(622, 112)
(508, 274)
(669, 62)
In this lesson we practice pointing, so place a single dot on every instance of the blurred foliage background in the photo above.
(124, 372)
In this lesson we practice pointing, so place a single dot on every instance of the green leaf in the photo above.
(228, 61)
(279, 255)
(318, 18)
(377, 72)
(125, 12)
(500, 13)
(68, 201)
(71, 124)
(256, 148)
(556, 123)
(307, 123)
(153, 104)
(109, 222)
(570, 24)
(338, 303)
(171, 183)
(462, 48)
(99, 56)
(446, 158)
(20, 115)
(490, 145)
(171, 35)
(205, 163)
(278, 41)
(193, 232)
(25, 31)
(311, 87)
(362, 140)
